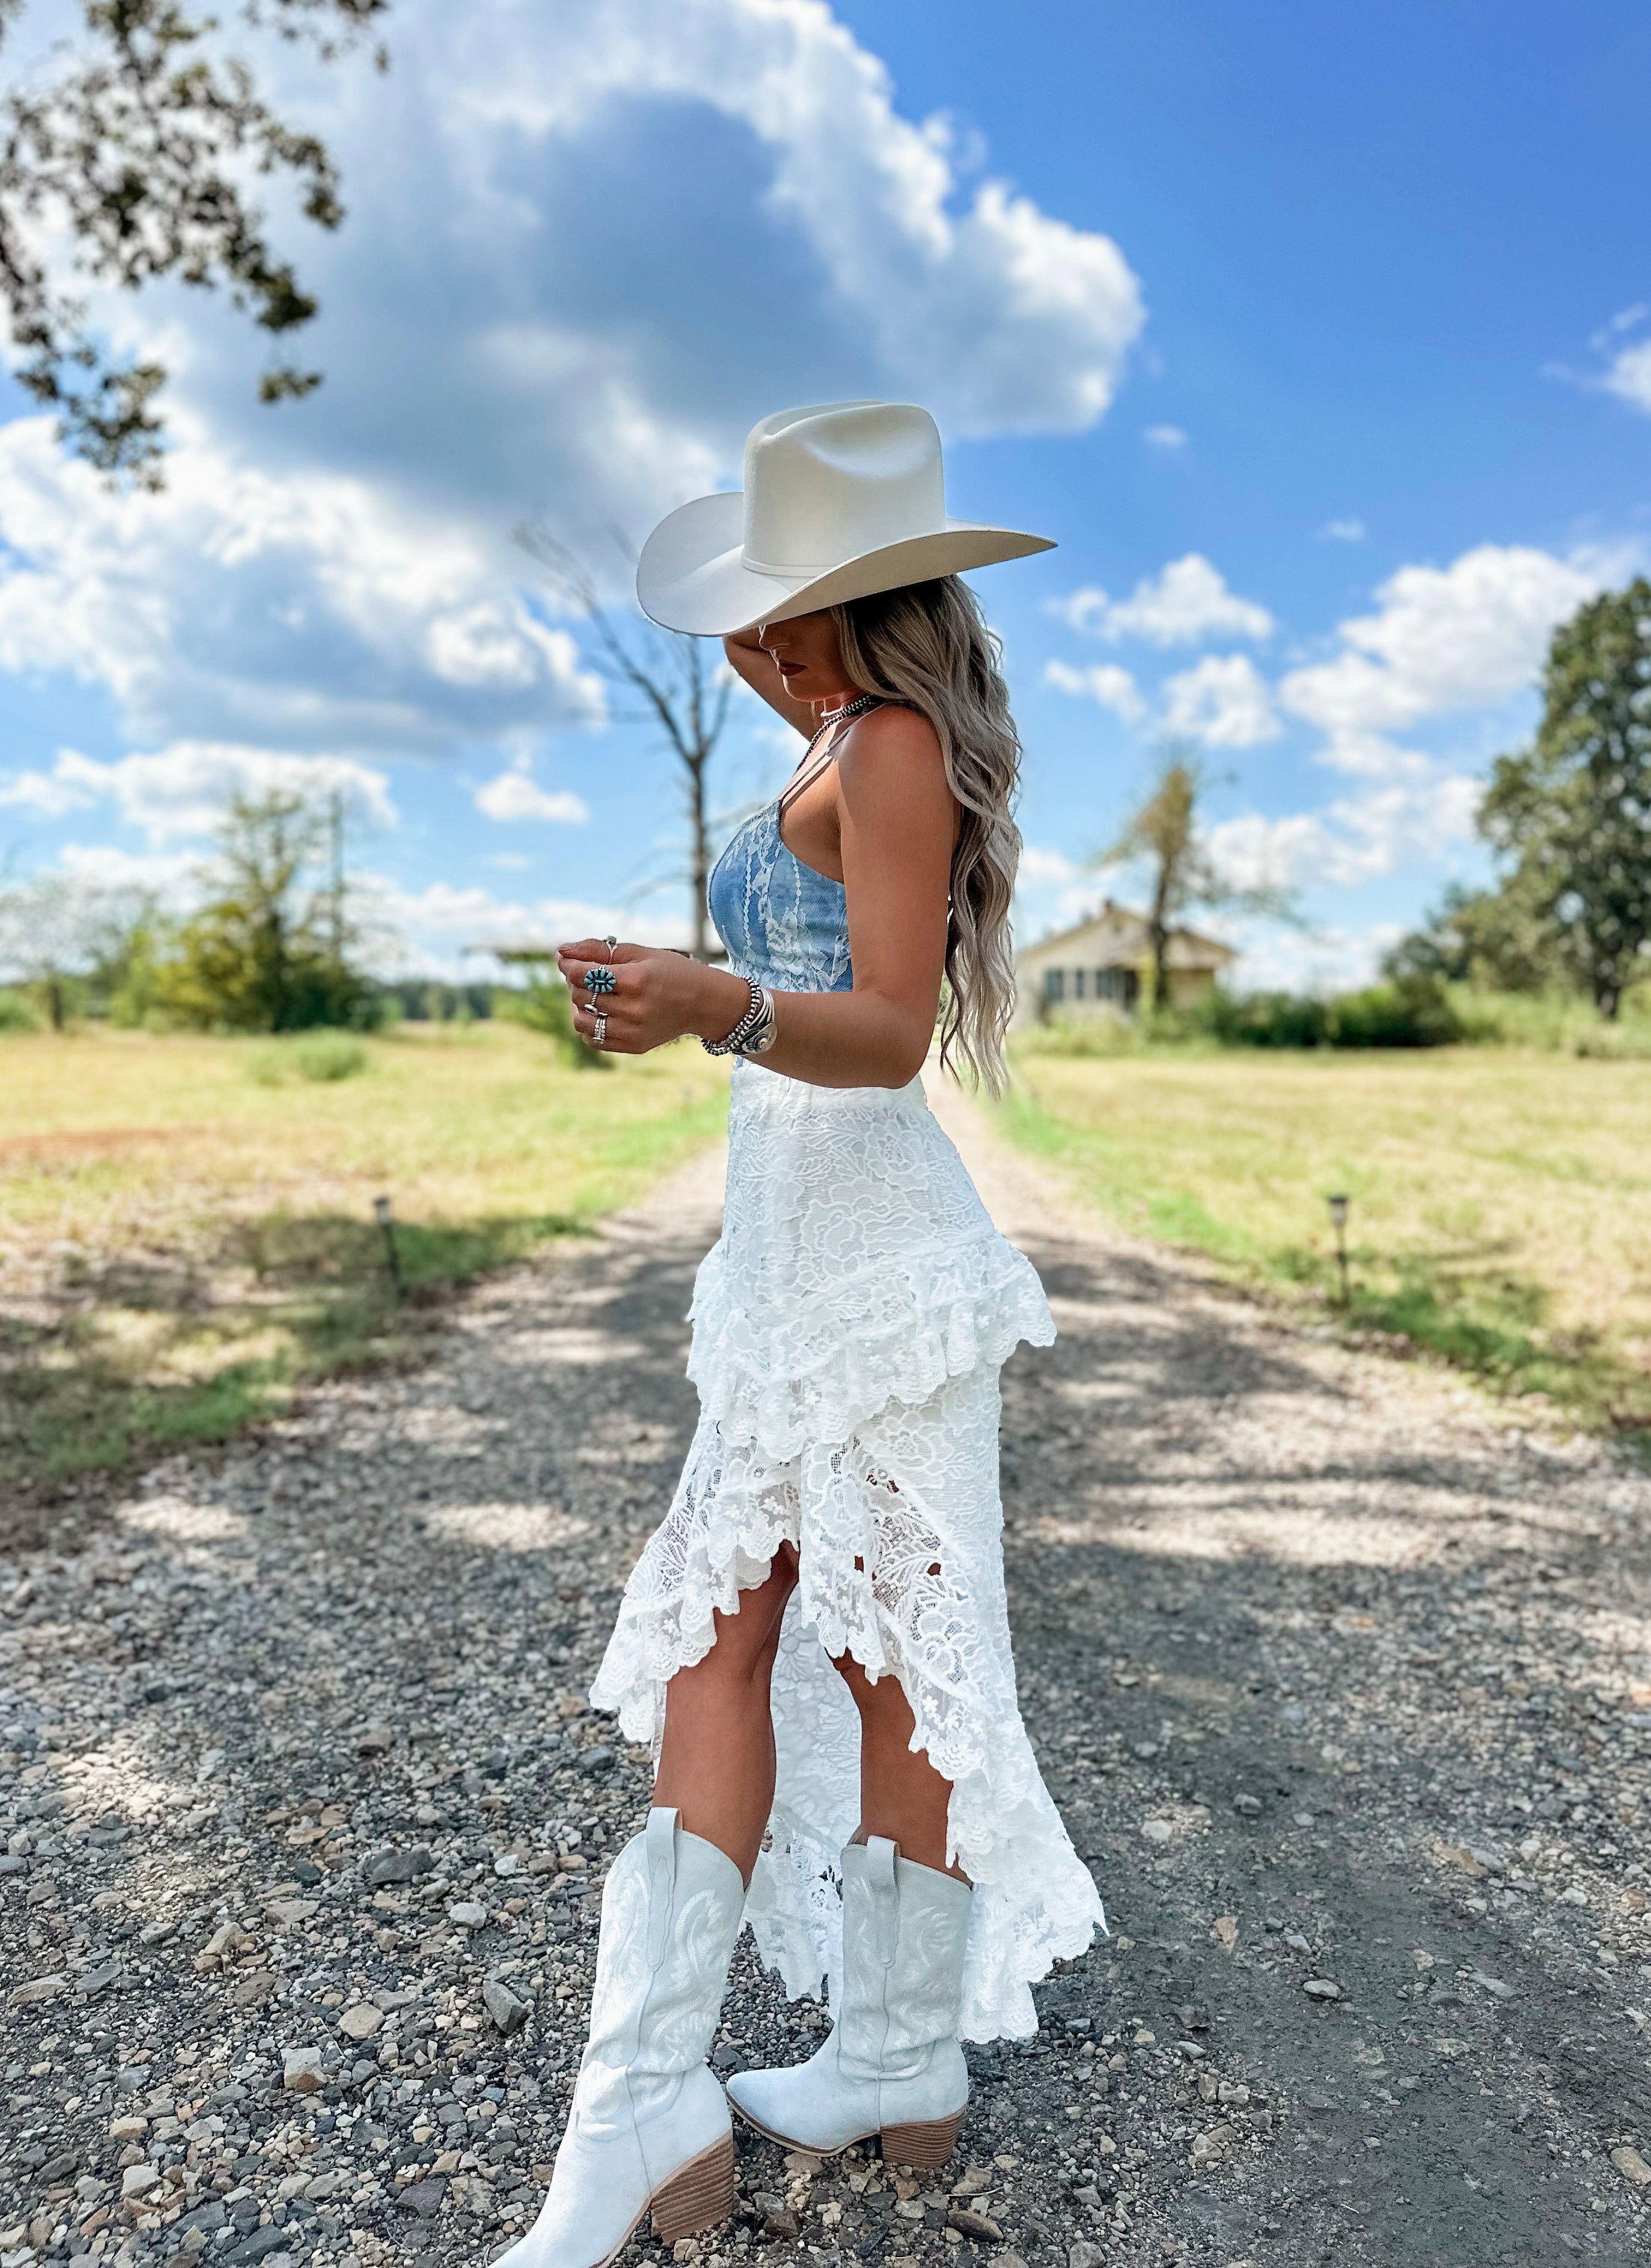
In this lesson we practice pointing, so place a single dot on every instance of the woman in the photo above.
(815, 1640)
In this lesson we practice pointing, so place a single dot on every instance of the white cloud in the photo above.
(1040, 867)
(1165, 436)
(1321, 960)
(1101, 681)
(172, 876)
(1186, 603)
(1355, 840)
(183, 790)
(1222, 701)
(1441, 639)
(1628, 375)
(309, 610)
(586, 247)
(515, 794)
(440, 924)
(1000, 315)
(1343, 531)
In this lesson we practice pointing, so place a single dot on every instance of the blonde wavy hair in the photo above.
(928, 647)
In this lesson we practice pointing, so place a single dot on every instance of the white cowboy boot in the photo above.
(650, 2124)
(892, 2065)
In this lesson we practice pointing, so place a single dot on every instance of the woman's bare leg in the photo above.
(901, 1795)
(717, 1759)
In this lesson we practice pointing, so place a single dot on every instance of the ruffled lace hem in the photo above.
(879, 1580)
(893, 1333)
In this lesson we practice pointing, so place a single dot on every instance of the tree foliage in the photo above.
(1569, 818)
(138, 151)
(1571, 815)
(271, 951)
(1164, 829)
(73, 946)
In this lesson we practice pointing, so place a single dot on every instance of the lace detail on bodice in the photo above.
(784, 924)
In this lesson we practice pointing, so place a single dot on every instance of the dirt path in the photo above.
(1345, 1688)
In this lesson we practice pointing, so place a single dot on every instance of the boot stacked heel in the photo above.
(924, 2147)
(698, 2195)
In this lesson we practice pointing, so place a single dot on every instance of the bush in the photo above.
(1411, 1012)
(544, 1005)
(323, 1056)
(15, 1015)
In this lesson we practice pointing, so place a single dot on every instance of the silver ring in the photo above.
(599, 1038)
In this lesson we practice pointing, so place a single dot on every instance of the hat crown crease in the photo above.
(826, 486)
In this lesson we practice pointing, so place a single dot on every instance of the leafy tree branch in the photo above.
(138, 152)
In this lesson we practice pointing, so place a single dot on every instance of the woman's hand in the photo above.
(657, 996)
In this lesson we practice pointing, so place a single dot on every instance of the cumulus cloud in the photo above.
(450, 929)
(1221, 701)
(1628, 375)
(1041, 867)
(1101, 681)
(515, 794)
(586, 247)
(183, 790)
(1354, 840)
(1186, 603)
(1001, 316)
(1441, 638)
(307, 610)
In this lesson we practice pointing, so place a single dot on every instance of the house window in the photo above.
(1054, 985)
(1078, 982)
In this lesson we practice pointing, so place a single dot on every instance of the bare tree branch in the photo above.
(683, 693)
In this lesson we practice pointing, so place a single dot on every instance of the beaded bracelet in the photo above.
(732, 1041)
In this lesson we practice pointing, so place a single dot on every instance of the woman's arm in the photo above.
(748, 658)
(898, 822)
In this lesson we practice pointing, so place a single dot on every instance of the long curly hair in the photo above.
(928, 647)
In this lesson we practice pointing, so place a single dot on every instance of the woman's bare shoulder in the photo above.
(892, 745)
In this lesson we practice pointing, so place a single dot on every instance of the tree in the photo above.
(1164, 827)
(269, 952)
(680, 689)
(134, 155)
(50, 931)
(1571, 815)
(1489, 937)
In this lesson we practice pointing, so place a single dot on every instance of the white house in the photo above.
(1100, 967)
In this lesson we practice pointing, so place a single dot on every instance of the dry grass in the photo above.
(186, 1224)
(1501, 1201)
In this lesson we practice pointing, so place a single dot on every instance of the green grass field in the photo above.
(186, 1224)
(1501, 1200)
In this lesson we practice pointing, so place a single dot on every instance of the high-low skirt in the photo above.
(848, 1331)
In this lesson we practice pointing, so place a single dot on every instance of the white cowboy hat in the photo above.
(839, 501)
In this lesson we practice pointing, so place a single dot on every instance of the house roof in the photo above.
(1188, 946)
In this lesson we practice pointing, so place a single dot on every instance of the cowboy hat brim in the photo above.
(692, 575)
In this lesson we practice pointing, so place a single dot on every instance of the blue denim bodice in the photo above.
(786, 925)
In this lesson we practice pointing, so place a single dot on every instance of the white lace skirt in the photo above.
(848, 1328)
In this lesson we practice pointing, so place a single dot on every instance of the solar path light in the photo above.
(1338, 1221)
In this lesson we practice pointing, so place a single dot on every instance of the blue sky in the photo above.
(1317, 339)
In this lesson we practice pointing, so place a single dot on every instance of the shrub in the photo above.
(15, 1015)
(321, 1056)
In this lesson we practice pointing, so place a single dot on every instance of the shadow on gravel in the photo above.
(1353, 1725)
(1331, 1693)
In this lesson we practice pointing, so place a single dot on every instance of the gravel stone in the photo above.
(1244, 1563)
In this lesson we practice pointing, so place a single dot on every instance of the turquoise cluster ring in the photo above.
(599, 980)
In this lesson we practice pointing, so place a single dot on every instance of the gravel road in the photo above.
(1343, 1680)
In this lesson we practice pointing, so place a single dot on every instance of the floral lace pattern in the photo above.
(848, 1328)
(784, 924)
(848, 1332)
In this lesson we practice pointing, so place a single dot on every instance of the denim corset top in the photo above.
(786, 925)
